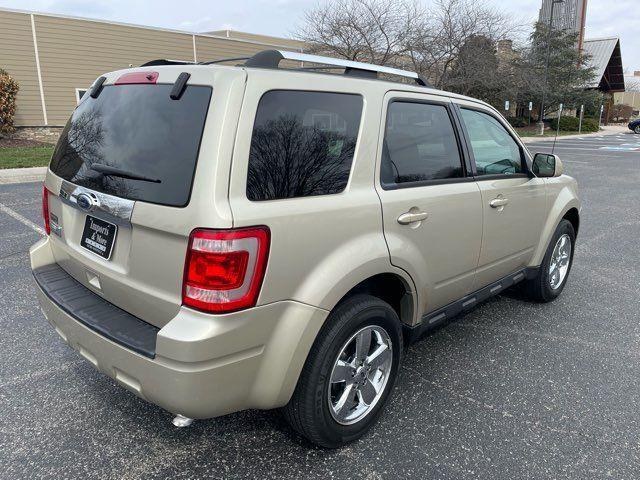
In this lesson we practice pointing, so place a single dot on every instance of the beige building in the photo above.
(55, 58)
(631, 96)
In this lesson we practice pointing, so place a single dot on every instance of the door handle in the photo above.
(412, 217)
(499, 202)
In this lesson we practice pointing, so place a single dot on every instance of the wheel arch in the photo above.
(574, 217)
(391, 288)
(362, 264)
(565, 206)
(394, 287)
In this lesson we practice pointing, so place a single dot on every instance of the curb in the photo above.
(22, 175)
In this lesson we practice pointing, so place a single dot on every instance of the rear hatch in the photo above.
(124, 183)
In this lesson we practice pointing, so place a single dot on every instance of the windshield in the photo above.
(140, 130)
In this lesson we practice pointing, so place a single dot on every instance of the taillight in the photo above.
(224, 268)
(45, 209)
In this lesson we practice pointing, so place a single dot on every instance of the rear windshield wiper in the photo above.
(116, 172)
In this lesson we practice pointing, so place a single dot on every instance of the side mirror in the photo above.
(547, 165)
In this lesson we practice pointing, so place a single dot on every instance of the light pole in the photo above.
(546, 66)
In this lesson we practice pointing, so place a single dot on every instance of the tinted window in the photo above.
(302, 144)
(419, 144)
(495, 151)
(138, 129)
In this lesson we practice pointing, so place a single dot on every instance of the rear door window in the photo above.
(302, 144)
(420, 144)
(137, 129)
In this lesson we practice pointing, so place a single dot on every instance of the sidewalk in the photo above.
(605, 130)
(22, 175)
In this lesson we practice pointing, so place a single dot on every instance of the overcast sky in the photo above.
(605, 18)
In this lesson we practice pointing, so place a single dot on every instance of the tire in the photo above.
(311, 410)
(636, 129)
(544, 287)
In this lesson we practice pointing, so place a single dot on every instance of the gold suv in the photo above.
(231, 237)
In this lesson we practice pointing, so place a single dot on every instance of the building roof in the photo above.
(607, 62)
(267, 39)
(243, 37)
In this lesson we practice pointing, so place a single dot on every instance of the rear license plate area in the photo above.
(98, 236)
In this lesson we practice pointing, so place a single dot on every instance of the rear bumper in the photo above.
(204, 365)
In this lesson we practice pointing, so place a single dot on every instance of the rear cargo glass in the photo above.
(137, 129)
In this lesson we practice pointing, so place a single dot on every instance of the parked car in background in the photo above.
(231, 237)
(634, 125)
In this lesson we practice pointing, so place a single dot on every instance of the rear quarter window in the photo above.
(302, 144)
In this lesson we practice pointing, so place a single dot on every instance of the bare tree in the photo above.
(81, 143)
(404, 34)
(621, 112)
(289, 160)
(632, 84)
(435, 48)
(477, 70)
(362, 30)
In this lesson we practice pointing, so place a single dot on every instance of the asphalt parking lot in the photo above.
(510, 390)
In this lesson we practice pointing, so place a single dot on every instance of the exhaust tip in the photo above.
(181, 421)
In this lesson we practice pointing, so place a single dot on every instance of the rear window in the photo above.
(302, 144)
(136, 129)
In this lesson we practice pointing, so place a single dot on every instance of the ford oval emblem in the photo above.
(84, 202)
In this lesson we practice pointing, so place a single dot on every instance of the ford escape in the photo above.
(231, 237)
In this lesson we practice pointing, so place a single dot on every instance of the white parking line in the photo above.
(576, 145)
(594, 149)
(618, 148)
(582, 142)
(12, 213)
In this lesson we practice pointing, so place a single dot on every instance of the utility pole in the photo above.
(546, 66)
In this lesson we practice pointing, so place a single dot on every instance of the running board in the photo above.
(439, 316)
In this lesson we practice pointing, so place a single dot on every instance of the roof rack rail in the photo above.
(236, 59)
(165, 61)
(272, 58)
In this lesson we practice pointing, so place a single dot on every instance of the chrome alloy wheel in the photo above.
(360, 374)
(559, 265)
